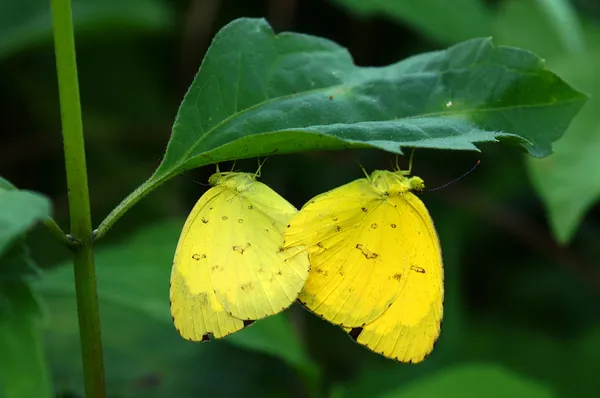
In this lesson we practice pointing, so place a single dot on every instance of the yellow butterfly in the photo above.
(230, 267)
(376, 263)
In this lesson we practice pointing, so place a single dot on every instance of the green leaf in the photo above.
(258, 93)
(23, 370)
(569, 180)
(26, 23)
(146, 358)
(19, 211)
(444, 21)
(135, 276)
(473, 381)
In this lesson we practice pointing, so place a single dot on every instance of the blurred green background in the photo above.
(520, 236)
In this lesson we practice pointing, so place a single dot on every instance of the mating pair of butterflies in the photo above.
(364, 256)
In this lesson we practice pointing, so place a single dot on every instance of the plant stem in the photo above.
(148, 186)
(79, 201)
(58, 233)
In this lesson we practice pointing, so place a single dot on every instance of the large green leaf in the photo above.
(473, 381)
(445, 21)
(135, 277)
(259, 93)
(25, 23)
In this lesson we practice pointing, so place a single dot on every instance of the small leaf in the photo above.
(28, 22)
(447, 22)
(472, 380)
(19, 211)
(135, 276)
(258, 93)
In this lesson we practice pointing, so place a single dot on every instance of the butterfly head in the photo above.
(231, 180)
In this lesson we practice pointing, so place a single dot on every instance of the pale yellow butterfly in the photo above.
(230, 268)
(376, 263)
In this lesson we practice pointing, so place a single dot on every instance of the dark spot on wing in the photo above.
(417, 269)
(364, 209)
(366, 252)
(335, 218)
(240, 220)
(320, 244)
(354, 333)
(246, 286)
(250, 207)
(278, 273)
(393, 225)
(374, 226)
(204, 220)
(198, 257)
(216, 267)
(224, 217)
(280, 249)
(338, 228)
(397, 276)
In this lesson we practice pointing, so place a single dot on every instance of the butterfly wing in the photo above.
(253, 277)
(408, 330)
(352, 251)
(195, 308)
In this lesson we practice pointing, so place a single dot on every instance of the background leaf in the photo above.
(559, 176)
(133, 278)
(446, 22)
(26, 23)
(23, 369)
(19, 211)
(473, 381)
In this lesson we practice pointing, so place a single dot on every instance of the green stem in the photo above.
(148, 186)
(58, 233)
(79, 201)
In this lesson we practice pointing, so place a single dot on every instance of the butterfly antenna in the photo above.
(410, 161)
(363, 170)
(260, 165)
(194, 181)
(456, 179)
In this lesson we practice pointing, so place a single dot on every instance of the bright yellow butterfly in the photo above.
(376, 263)
(230, 268)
